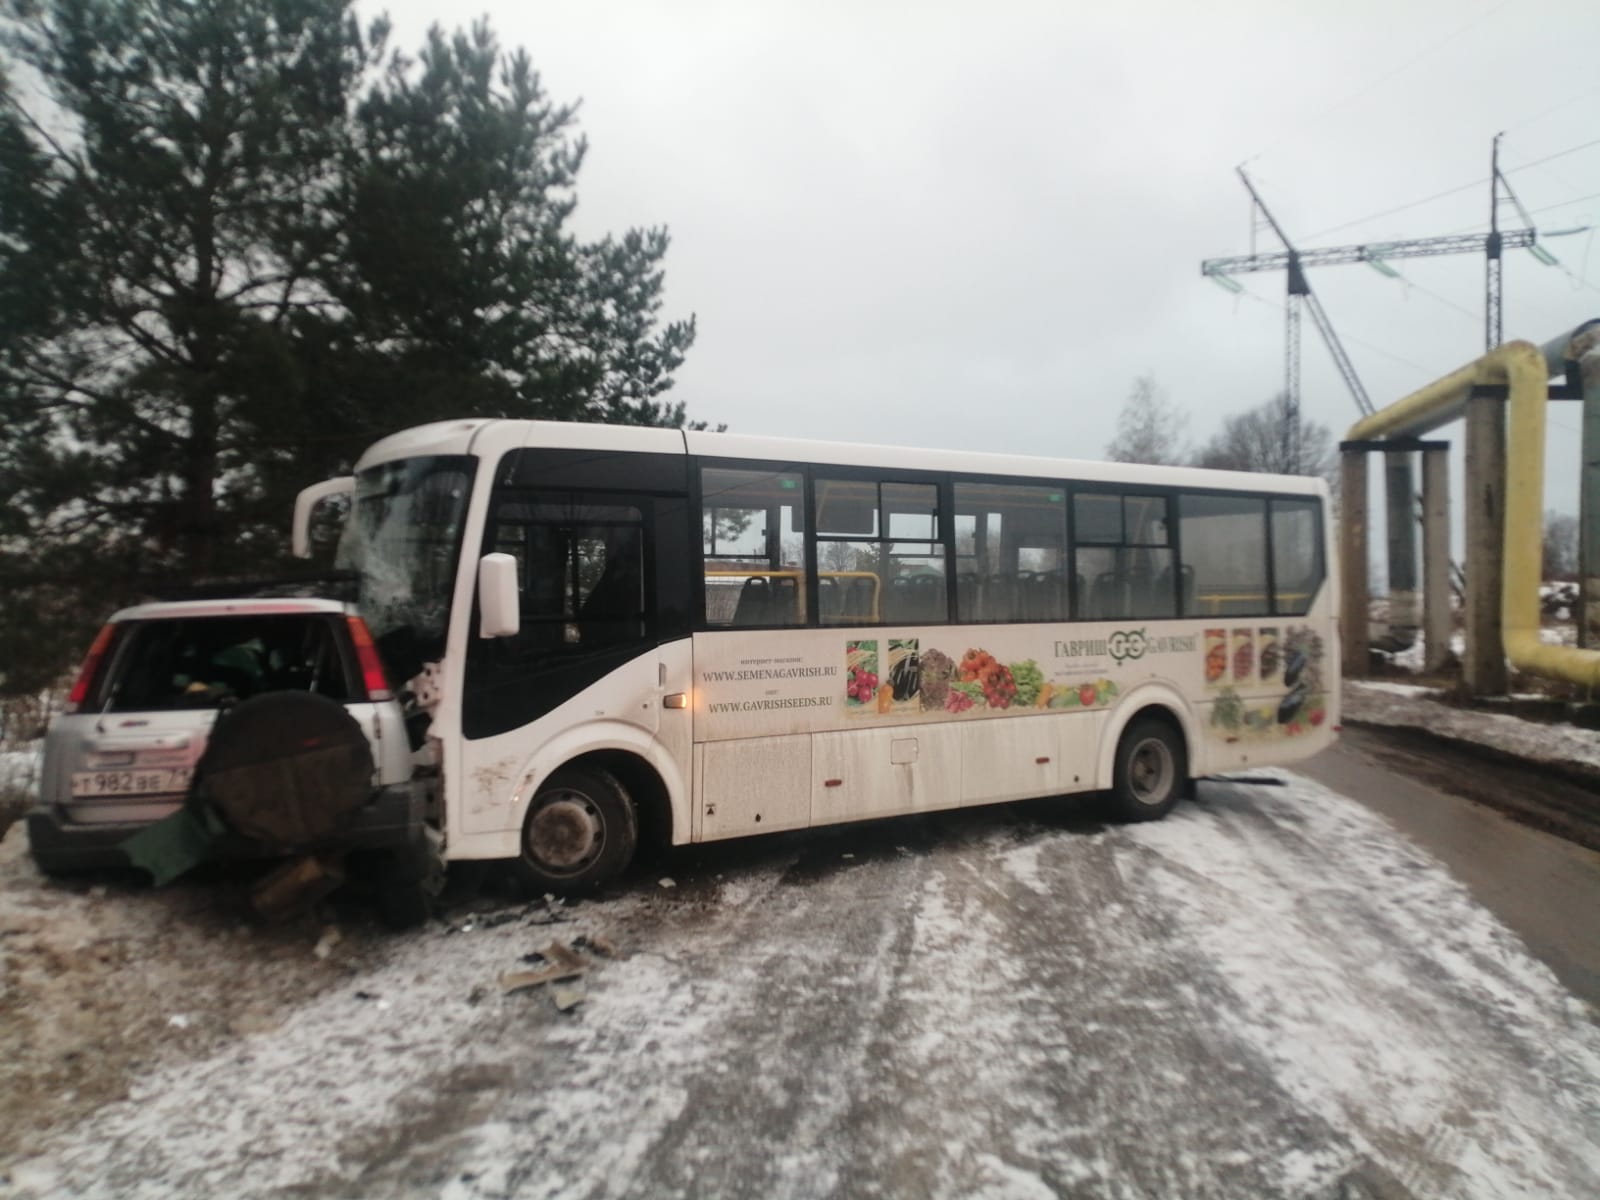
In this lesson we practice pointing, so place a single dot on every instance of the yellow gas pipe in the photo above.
(1522, 368)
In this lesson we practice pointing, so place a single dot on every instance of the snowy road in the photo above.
(1270, 994)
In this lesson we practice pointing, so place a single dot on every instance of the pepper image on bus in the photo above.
(622, 631)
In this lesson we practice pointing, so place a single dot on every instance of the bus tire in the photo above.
(1151, 771)
(580, 832)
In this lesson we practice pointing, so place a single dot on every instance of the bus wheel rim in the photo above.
(1150, 771)
(566, 832)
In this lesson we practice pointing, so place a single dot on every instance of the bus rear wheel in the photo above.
(580, 832)
(1151, 771)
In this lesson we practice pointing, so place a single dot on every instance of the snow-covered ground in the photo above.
(19, 768)
(1269, 994)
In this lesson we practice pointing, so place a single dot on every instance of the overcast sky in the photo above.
(973, 225)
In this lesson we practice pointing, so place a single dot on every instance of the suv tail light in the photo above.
(372, 673)
(90, 668)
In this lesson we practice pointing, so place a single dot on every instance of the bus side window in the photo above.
(882, 545)
(1224, 540)
(580, 569)
(1011, 542)
(752, 547)
(1122, 551)
(1297, 569)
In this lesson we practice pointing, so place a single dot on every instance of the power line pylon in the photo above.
(1491, 245)
(1300, 296)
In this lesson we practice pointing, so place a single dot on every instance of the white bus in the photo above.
(619, 632)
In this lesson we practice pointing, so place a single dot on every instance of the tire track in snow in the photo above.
(725, 1060)
(1388, 1001)
(1270, 994)
(1070, 1056)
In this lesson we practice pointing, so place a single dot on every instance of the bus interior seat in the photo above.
(857, 607)
(927, 596)
(1164, 591)
(1142, 596)
(967, 595)
(830, 598)
(898, 603)
(845, 599)
(999, 602)
(754, 606)
(1109, 597)
(785, 601)
(1041, 595)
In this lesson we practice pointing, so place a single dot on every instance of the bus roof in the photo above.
(973, 462)
(493, 437)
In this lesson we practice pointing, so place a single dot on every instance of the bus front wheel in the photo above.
(580, 832)
(1151, 771)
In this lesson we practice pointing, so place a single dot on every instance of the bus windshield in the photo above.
(403, 541)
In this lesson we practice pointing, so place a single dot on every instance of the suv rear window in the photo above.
(200, 662)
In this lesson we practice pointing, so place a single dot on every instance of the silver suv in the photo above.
(125, 752)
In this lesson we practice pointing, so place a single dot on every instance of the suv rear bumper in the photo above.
(393, 819)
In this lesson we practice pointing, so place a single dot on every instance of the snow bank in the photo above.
(1398, 704)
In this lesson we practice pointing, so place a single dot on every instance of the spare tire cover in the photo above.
(286, 768)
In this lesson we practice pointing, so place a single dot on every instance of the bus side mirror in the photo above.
(306, 503)
(498, 610)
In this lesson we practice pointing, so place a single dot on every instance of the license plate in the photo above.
(129, 783)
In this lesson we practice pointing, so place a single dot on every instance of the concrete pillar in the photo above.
(1585, 351)
(1484, 665)
(1400, 507)
(1353, 571)
(1436, 606)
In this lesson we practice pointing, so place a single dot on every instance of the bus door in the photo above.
(587, 650)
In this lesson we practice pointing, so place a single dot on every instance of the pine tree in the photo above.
(241, 239)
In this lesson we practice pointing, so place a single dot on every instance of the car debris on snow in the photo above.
(566, 999)
(295, 886)
(518, 981)
(325, 944)
(497, 919)
(598, 942)
(564, 956)
(539, 912)
(565, 963)
(558, 963)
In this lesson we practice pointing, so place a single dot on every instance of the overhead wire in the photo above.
(1539, 116)
(1539, 162)
(1399, 208)
(1564, 203)
(1479, 182)
(1456, 190)
(1444, 300)
(1376, 349)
